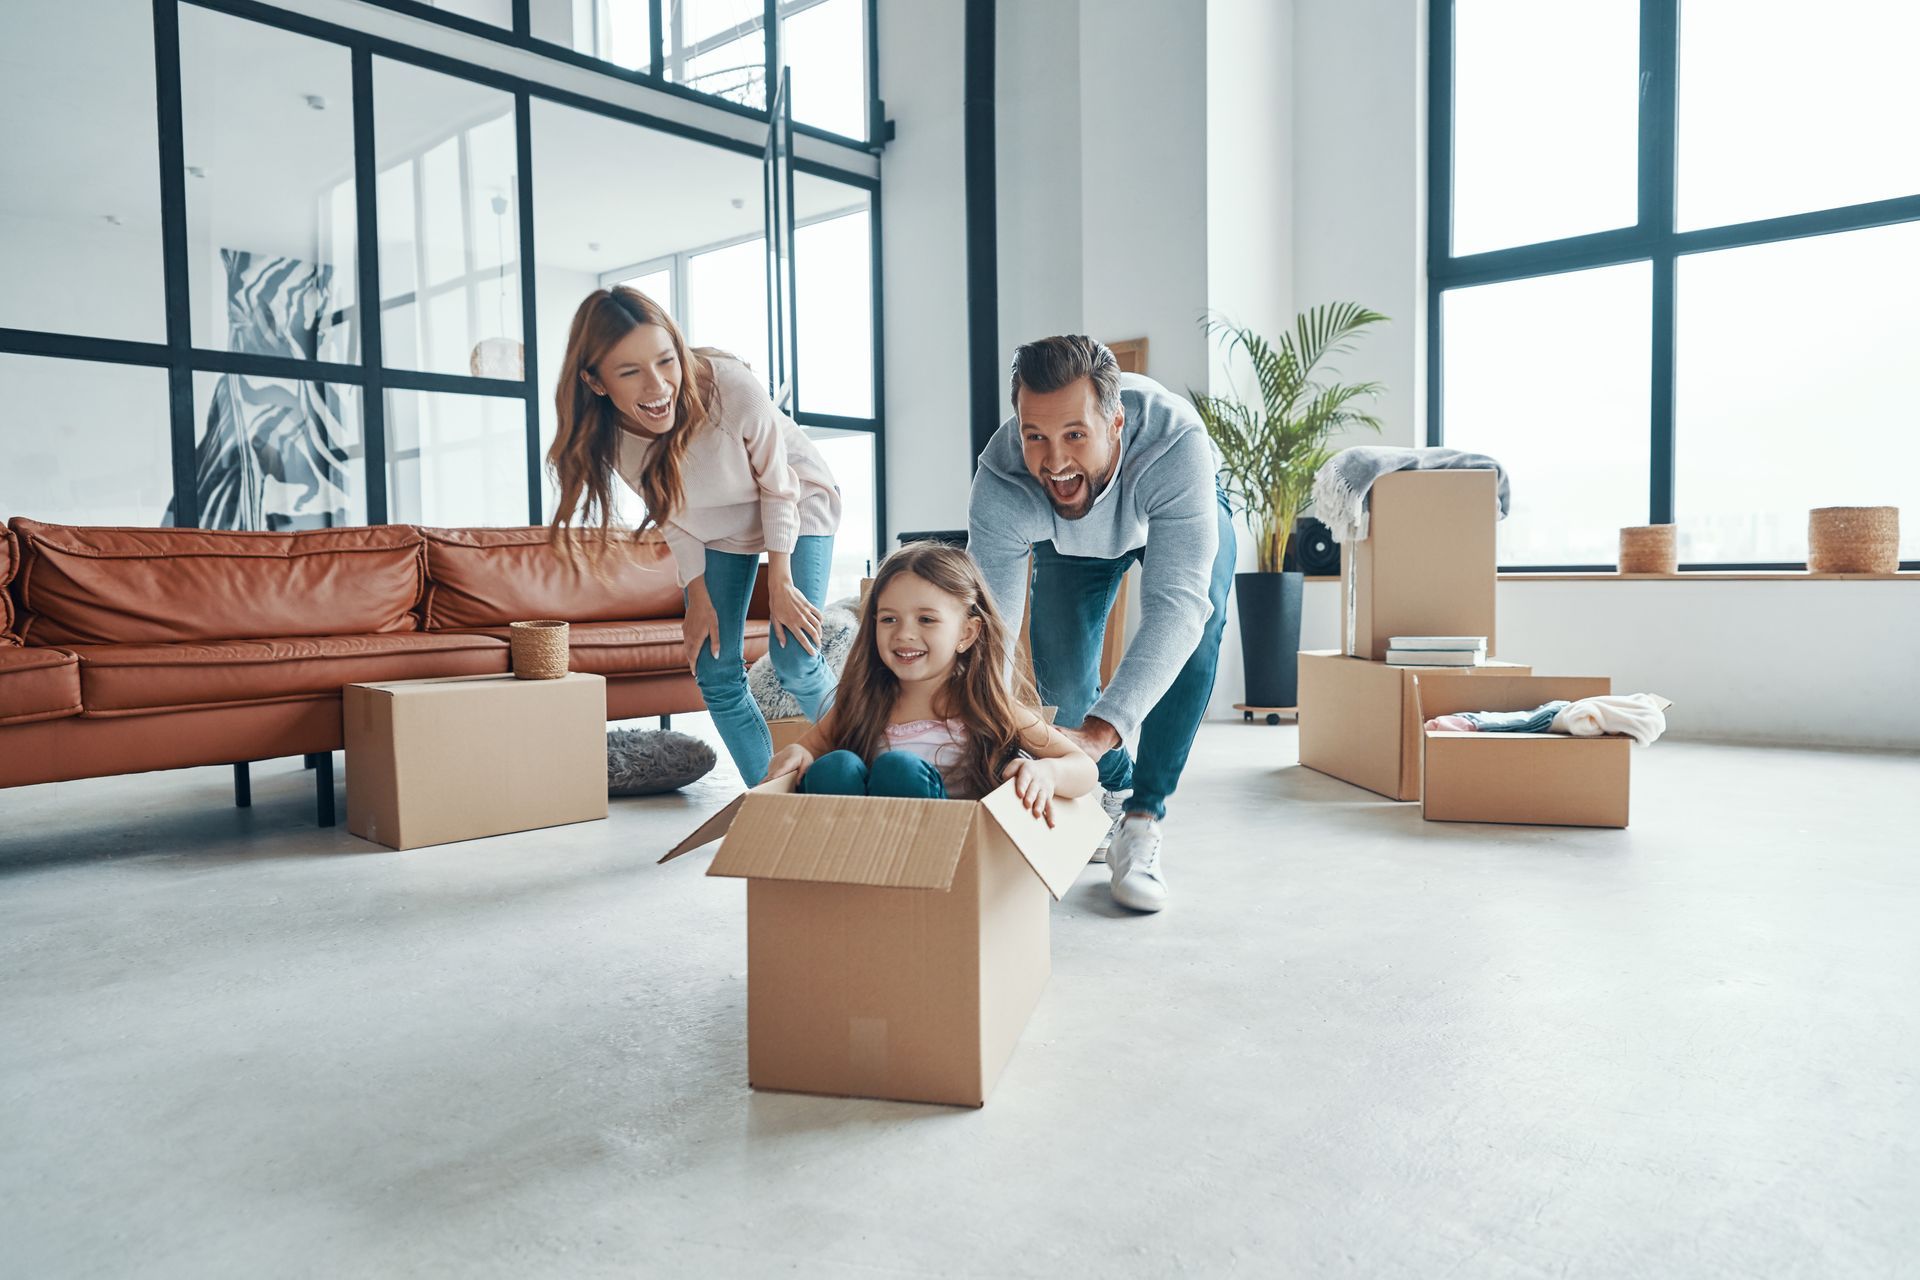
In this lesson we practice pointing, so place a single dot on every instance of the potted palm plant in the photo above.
(1270, 449)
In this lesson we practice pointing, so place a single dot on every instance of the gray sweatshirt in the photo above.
(1165, 489)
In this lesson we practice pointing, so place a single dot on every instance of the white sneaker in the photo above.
(1134, 864)
(1115, 803)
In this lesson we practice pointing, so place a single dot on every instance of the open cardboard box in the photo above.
(1427, 565)
(1551, 779)
(895, 948)
(1360, 722)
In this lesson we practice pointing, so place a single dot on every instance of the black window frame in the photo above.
(1653, 238)
(182, 360)
(520, 36)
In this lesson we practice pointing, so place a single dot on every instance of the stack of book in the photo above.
(1437, 651)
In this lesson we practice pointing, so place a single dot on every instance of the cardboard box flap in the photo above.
(1058, 853)
(716, 826)
(867, 840)
(1446, 695)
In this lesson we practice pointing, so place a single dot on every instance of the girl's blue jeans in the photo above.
(892, 773)
(723, 680)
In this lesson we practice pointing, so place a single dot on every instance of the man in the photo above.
(1097, 470)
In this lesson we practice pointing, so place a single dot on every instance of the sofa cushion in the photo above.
(139, 679)
(615, 649)
(95, 586)
(491, 577)
(38, 684)
(9, 565)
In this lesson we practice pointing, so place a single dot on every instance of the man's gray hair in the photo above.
(1052, 363)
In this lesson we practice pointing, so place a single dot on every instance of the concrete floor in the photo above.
(1358, 1045)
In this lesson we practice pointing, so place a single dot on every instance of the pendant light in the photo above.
(499, 357)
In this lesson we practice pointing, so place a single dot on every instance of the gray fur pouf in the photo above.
(645, 762)
(839, 621)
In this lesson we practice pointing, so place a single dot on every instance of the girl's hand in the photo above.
(1033, 782)
(795, 760)
(794, 617)
(702, 625)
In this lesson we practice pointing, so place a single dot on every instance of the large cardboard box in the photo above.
(1547, 778)
(1427, 564)
(787, 730)
(895, 948)
(433, 761)
(1360, 721)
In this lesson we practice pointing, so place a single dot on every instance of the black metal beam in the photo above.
(529, 301)
(982, 214)
(373, 398)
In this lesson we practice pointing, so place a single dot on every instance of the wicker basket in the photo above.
(1853, 540)
(539, 649)
(1649, 548)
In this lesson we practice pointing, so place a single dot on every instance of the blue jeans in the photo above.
(723, 680)
(892, 773)
(1070, 599)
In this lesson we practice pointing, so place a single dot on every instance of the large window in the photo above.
(263, 271)
(1674, 252)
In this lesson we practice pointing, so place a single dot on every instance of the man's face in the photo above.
(1068, 447)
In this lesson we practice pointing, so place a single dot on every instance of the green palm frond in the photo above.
(1270, 451)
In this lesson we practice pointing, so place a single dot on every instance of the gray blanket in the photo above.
(1340, 489)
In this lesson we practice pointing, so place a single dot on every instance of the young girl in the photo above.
(724, 475)
(923, 710)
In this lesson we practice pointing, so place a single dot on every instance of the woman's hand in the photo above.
(794, 759)
(702, 624)
(1033, 782)
(794, 617)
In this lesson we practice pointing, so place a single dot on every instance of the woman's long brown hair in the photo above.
(977, 693)
(586, 444)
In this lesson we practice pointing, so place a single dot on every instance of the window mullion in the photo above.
(1659, 85)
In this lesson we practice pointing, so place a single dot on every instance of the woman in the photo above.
(724, 475)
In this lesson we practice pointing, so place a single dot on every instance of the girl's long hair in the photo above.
(586, 443)
(977, 693)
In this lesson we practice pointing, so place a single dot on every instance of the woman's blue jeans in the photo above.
(892, 773)
(723, 680)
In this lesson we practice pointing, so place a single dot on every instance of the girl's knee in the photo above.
(837, 773)
(900, 773)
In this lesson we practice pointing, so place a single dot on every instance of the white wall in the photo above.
(924, 267)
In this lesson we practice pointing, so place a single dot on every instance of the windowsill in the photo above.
(1719, 576)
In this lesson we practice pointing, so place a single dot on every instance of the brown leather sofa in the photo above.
(127, 650)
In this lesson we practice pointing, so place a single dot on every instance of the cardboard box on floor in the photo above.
(788, 730)
(1549, 779)
(1427, 564)
(1360, 721)
(433, 761)
(895, 948)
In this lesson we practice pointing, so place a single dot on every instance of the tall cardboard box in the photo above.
(1360, 721)
(1427, 564)
(787, 730)
(895, 948)
(433, 761)
(1550, 779)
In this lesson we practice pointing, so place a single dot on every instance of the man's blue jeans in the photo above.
(892, 773)
(723, 680)
(1070, 599)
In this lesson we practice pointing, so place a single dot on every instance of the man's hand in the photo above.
(1095, 737)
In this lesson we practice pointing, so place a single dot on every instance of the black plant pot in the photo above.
(1270, 636)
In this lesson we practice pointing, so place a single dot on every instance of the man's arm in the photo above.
(997, 538)
(1183, 535)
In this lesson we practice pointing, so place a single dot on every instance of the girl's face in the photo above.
(640, 374)
(921, 630)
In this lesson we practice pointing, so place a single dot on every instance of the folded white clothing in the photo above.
(1445, 643)
(1640, 716)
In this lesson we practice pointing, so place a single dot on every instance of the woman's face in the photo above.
(640, 374)
(920, 630)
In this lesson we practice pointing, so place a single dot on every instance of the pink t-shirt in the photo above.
(941, 743)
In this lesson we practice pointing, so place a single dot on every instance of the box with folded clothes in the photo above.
(1426, 566)
(1359, 721)
(1515, 768)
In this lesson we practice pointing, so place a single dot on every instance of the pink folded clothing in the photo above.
(1452, 724)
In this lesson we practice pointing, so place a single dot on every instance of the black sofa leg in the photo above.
(242, 786)
(323, 787)
(666, 722)
(311, 759)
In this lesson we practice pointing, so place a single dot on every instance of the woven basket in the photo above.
(1649, 548)
(539, 649)
(1853, 540)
